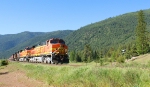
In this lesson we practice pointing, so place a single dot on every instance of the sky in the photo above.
(51, 15)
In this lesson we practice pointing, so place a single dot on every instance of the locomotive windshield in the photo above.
(61, 41)
(54, 41)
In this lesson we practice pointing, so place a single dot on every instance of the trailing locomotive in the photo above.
(52, 51)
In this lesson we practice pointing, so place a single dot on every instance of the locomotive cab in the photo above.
(59, 50)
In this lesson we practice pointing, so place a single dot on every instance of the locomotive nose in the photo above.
(61, 49)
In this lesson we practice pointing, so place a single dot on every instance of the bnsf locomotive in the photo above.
(52, 51)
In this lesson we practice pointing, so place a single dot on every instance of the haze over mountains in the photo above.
(110, 32)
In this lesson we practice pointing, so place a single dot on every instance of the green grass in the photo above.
(122, 75)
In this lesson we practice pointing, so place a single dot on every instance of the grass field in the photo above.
(131, 74)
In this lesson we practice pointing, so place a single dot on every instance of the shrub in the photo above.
(101, 61)
(121, 59)
(4, 62)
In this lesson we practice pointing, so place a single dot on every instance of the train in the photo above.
(52, 51)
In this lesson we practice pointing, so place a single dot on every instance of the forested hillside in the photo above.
(11, 40)
(16, 42)
(112, 32)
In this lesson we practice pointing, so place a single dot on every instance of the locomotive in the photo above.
(51, 51)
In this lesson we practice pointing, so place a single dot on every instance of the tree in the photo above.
(77, 57)
(72, 56)
(87, 54)
(95, 56)
(141, 34)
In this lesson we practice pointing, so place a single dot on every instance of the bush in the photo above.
(4, 62)
(121, 59)
(101, 61)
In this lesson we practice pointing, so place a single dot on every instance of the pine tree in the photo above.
(95, 56)
(141, 34)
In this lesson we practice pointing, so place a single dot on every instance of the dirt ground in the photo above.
(17, 78)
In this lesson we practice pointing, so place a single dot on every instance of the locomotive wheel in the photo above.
(45, 61)
(62, 62)
(56, 62)
(48, 62)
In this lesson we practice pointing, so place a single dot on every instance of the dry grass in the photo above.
(142, 59)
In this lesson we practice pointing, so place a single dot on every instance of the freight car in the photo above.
(52, 51)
